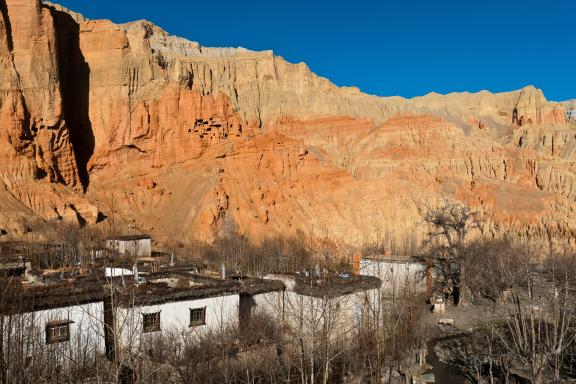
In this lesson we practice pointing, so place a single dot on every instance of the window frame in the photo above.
(62, 337)
(148, 327)
(201, 320)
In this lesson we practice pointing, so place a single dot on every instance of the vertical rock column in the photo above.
(33, 91)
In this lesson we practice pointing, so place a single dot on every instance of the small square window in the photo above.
(151, 322)
(197, 316)
(58, 331)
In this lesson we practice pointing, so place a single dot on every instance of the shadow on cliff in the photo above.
(6, 22)
(75, 88)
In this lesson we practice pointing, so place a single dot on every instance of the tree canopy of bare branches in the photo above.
(450, 224)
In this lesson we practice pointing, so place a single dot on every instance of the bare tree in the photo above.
(450, 223)
(495, 266)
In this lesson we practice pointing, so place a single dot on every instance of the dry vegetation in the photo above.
(536, 340)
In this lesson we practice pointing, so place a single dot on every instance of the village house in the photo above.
(175, 302)
(396, 273)
(12, 260)
(52, 321)
(107, 314)
(131, 245)
(14, 266)
(322, 302)
(126, 307)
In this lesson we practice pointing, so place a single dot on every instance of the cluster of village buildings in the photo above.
(158, 294)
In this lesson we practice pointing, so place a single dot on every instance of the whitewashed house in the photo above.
(397, 274)
(132, 245)
(117, 272)
(312, 304)
(181, 302)
(60, 323)
(87, 316)
(79, 324)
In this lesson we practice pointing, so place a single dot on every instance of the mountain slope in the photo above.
(177, 137)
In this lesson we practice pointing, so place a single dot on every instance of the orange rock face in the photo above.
(181, 139)
(38, 167)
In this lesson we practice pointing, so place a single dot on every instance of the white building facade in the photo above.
(62, 333)
(397, 274)
(325, 309)
(197, 316)
(136, 246)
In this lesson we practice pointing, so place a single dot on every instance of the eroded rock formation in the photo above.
(178, 137)
(38, 165)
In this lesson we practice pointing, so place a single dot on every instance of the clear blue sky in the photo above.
(399, 47)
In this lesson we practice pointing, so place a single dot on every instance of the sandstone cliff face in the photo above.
(38, 129)
(178, 137)
(38, 166)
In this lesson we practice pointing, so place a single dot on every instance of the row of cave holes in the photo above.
(211, 123)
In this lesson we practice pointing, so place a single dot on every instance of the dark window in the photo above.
(197, 316)
(57, 331)
(151, 322)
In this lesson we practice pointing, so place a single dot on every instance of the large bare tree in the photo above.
(450, 225)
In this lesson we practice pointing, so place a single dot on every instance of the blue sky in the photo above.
(399, 47)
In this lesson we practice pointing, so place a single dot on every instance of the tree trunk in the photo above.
(538, 363)
(312, 367)
(378, 363)
(326, 369)
(460, 291)
(3, 378)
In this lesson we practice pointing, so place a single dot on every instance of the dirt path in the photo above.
(469, 317)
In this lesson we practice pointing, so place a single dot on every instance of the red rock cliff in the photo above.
(177, 137)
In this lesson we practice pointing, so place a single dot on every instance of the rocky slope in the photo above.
(101, 119)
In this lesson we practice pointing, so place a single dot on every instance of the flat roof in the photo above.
(335, 285)
(94, 288)
(82, 291)
(7, 249)
(394, 259)
(130, 237)
(156, 293)
(330, 284)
